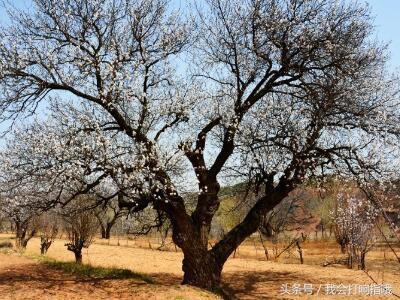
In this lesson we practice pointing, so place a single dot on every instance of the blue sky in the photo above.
(387, 21)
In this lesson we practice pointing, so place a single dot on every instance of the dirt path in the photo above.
(23, 278)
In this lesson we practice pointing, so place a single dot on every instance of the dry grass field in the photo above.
(247, 276)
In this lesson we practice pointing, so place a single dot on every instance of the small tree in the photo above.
(354, 222)
(48, 226)
(81, 227)
(25, 229)
(23, 220)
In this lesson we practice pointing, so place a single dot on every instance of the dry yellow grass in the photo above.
(248, 275)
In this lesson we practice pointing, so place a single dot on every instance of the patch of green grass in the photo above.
(95, 272)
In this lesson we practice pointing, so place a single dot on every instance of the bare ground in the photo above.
(24, 278)
(248, 276)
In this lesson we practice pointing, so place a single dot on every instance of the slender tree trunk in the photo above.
(343, 248)
(300, 251)
(164, 236)
(362, 260)
(19, 235)
(351, 256)
(44, 245)
(103, 231)
(42, 249)
(262, 243)
(108, 231)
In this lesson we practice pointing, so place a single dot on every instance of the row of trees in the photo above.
(353, 221)
(352, 218)
(76, 223)
(153, 103)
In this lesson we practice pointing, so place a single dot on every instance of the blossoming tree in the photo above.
(355, 219)
(156, 102)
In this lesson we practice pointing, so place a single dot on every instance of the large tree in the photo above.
(273, 91)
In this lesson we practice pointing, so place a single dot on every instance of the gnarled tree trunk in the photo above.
(77, 250)
(202, 267)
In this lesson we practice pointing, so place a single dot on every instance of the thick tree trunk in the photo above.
(78, 256)
(201, 270)
(199, 265)
(24, 243)
(19, 235)
(19, 242)
(77, 250)
(203, 267)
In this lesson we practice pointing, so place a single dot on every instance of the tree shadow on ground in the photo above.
(246, 285)
(260, 285)
(166, 279)
(38, 276)
(242, 285)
